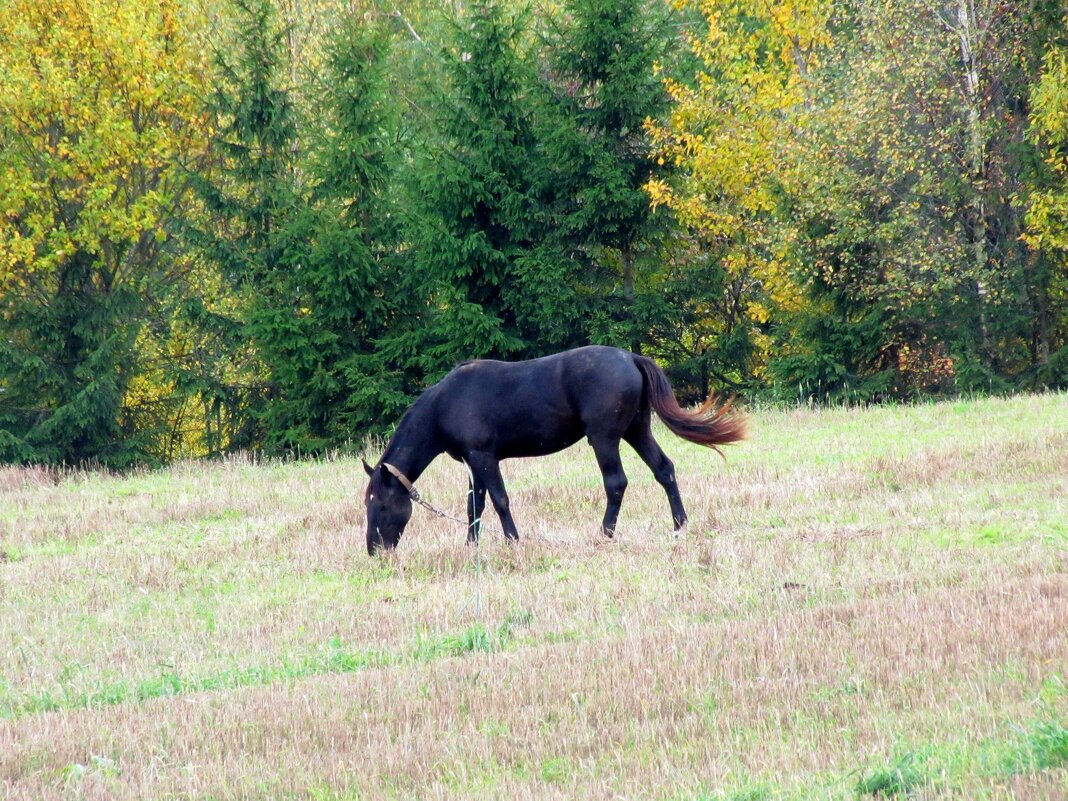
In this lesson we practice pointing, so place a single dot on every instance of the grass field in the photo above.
(866, 604)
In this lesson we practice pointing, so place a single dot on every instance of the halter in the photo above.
(413, 493)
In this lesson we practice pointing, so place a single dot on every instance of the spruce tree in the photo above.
(331, 384)
(302, 228)
(250, 202)
(604, 59)
(484, 278)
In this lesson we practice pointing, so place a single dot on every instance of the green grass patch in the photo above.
(335, 658)
(474, 639)
(1041, 746)
(555, 770)
(896, 778)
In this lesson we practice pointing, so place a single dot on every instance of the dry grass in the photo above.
(865, 604)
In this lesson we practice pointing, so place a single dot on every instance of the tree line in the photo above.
(269, 224)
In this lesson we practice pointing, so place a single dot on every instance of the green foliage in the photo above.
(303, 231)
(248, 233)
(840, 356)
(98, 102)
(277, 248)
(482, 280)
(323, 306)
(696, 319)
(605, 86)
(862, 163)
(528, 211)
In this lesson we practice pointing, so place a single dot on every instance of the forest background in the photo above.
(269, 224)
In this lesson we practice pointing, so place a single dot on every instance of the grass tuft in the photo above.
(750, 792)
(473, 639)
(904, 773)
(1044, 746)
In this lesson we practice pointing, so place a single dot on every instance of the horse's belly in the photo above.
(531, 438)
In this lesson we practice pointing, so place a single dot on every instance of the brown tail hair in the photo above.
(712, 424)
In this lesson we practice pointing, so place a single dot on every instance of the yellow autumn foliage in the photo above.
(1048, 206)
(99, 111)
(731, 131)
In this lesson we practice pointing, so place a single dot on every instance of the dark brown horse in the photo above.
(485, 411)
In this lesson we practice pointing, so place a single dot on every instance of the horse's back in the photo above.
(540, 405)
(574, 376)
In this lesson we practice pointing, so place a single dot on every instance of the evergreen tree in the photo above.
(251, 205)
(483, 278)
(331, 383)
(604, 62)
(302, 229)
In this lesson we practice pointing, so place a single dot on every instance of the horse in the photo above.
(487, 410)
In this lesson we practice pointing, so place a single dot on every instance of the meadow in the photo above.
(867, 603)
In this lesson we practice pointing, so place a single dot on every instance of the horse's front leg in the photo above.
(487, 471)
(476, 504)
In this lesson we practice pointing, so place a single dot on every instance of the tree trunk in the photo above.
(975, 157)
(627, 259)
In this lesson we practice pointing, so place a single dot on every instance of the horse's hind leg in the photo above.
(640, 437)
(615, 480)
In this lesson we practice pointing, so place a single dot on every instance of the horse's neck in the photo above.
(414, 445)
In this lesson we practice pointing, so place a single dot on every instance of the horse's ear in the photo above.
(367, 468)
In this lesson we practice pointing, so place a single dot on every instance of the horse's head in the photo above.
(389, 507)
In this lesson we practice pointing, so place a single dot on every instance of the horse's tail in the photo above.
(712, 424)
